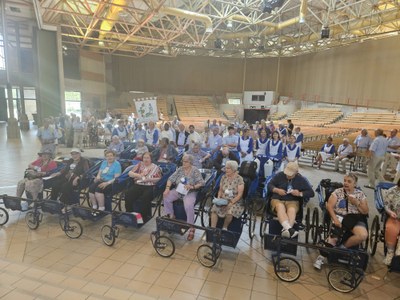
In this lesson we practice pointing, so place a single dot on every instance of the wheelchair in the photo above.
(270, 220)
(377, 232)
(320, 232)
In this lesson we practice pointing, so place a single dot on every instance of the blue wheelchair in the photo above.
(377, 232)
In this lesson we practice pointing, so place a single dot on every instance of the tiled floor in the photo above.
(46, 264)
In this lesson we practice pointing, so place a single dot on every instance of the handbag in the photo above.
(220, 202)
(351, 220)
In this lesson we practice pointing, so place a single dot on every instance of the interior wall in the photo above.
(190, 75)
(48, 98)
(90, 82)
(365, 74)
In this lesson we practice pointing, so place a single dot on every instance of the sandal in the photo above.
(190, 234)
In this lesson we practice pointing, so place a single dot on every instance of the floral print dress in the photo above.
(230, 191)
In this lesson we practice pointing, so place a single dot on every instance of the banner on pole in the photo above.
(146, 109)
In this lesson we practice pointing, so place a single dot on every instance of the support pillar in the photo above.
(12, 123)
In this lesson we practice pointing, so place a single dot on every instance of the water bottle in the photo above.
(289, 188)
(24, 205)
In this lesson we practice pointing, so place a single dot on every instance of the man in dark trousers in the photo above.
(290, 127)
(181, 139)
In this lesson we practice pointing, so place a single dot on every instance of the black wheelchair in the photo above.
(377, 232)
(347, 265)
(320, 232)
(269, 219)
(34, 213)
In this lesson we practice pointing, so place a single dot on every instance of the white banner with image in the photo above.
(146, 109)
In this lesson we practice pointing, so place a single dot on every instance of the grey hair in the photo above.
(189, 157)
(233, 165)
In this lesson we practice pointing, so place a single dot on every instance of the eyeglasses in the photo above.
(185, 161)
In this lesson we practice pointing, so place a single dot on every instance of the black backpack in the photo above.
(395, 265)
(248, 169)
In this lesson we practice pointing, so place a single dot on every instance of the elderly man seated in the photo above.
(222, 157)
(344, 153)
(199, 156)
(287, 189)
(116, 145)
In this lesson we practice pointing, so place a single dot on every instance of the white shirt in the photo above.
(167, 134)
(344, 151)
(193, 138)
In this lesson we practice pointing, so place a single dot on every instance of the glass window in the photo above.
(235, 101)
(73, 103)
(2, 55)
(29, 93)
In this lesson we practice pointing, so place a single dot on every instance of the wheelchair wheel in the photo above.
(374, 236)
(156, 205)
(307, 229)
(164, 246)
(73, 229)
(205, 256)
(287, 269)
(108, 235)
(341, 280)
(32, 220)
(252, 223)
(3, 216)
(153, 237)
(205, 213)
(315, 225)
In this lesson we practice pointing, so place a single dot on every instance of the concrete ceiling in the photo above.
(219, 28)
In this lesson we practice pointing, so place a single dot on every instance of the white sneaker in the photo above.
(388, 259)
(285, 233)
(319, 262)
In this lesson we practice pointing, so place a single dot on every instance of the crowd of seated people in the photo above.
(225, 149)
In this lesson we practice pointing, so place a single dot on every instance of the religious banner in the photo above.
(146, 109)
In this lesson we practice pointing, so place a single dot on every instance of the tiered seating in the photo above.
(230, 114)
(315, 117)
(278, 116)
(312, 133)
(162, 106)
(196, 110)
(315, 145)
(371, 121)
(124, 112)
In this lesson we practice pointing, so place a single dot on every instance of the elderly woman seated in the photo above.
(139, 196)
(109, 170)
(231, 188)
(32, 184)
(392, 226)
(327, 152)
(116, 145)
(165, 153)
(348, 210)
(141, 149)
(199, 156)
(188, 180)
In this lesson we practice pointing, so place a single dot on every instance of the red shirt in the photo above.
(45, 167)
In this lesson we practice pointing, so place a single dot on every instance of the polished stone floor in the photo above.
(46, 264)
